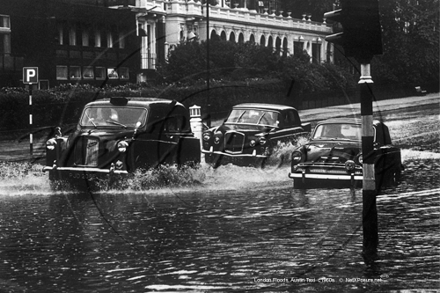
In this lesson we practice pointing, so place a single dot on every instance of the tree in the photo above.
(411, 40)
(187, 62)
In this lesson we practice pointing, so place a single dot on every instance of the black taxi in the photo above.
(120, 135)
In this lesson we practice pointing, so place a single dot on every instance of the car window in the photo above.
(338, 131)
(173, 124)
(105, 116)
(289, 119)
(254, 116)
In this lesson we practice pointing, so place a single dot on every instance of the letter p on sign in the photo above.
(30, 75)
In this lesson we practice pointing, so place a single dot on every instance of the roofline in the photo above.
(263, 106)
(135, 100)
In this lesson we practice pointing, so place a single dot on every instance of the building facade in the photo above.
(178, 21)
(120, 41)
(68, 42)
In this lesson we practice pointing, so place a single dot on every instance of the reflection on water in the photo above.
(236, 229)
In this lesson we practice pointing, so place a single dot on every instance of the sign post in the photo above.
(30, 76)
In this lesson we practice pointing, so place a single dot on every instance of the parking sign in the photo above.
(30, 75)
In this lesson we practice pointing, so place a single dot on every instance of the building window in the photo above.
(124, 73)
(85, 38)
(109, 40)
(316, 53)
(329, 52)
(112, 73)
(5, 35)
(75, 72)
(100, 73)
(60, 35)
(5, 44)
(88, 73)
(72, 37)
(121, 41)
(97, 39)
(61, 72)
(298, 48)
(5, 21)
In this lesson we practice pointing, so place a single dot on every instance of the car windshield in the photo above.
(126, 117)
(344, 131)
(253, 116)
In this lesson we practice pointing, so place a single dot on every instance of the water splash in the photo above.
(27, 178)
(22, 179)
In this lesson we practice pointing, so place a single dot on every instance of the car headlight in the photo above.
(207, 136)
(350, 165)
(122, 146)
(297, 157)
(359, 159)
(263, 140)
(253, 143)
(218, 137)
(51, 144)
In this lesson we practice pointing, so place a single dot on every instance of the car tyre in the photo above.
(298, 184)
(395, 177)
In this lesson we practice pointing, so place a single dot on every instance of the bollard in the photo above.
(195, 114)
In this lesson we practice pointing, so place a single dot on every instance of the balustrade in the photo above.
(228, 14)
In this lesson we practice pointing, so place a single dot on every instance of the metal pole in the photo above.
(207, 65)
(369, 211)
(31, 147)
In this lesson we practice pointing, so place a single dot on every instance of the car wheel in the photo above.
(395, 177)
(54, 182)
(298, 184)
(213, 160)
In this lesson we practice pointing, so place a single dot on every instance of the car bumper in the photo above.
(84, 169)
(348, 177)
(235, 155)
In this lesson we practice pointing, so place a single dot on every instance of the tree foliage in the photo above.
(410, 52)
(229, 61)
(188, 61)
(411, 40)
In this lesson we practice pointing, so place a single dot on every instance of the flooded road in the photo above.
(229, 229)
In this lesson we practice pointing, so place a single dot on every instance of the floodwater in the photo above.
(230, 229)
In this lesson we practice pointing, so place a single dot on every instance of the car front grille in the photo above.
(234, 142)
(332, 171)
(330, 159)
(86, 152)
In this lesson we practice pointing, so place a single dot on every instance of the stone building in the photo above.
(121, 41)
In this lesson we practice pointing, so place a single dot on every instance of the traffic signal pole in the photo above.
(361, 39)
(369, 211)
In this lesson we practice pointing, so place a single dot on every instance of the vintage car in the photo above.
(333, 156)
(250, 133)
(119, 135)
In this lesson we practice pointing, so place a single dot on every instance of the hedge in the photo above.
(63, 106)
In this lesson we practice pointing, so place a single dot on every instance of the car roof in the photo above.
(264, 106)
(133, 101)
(347, 120)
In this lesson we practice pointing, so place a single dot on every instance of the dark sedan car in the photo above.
(250, 133)
(333, 156)
(119, 135)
